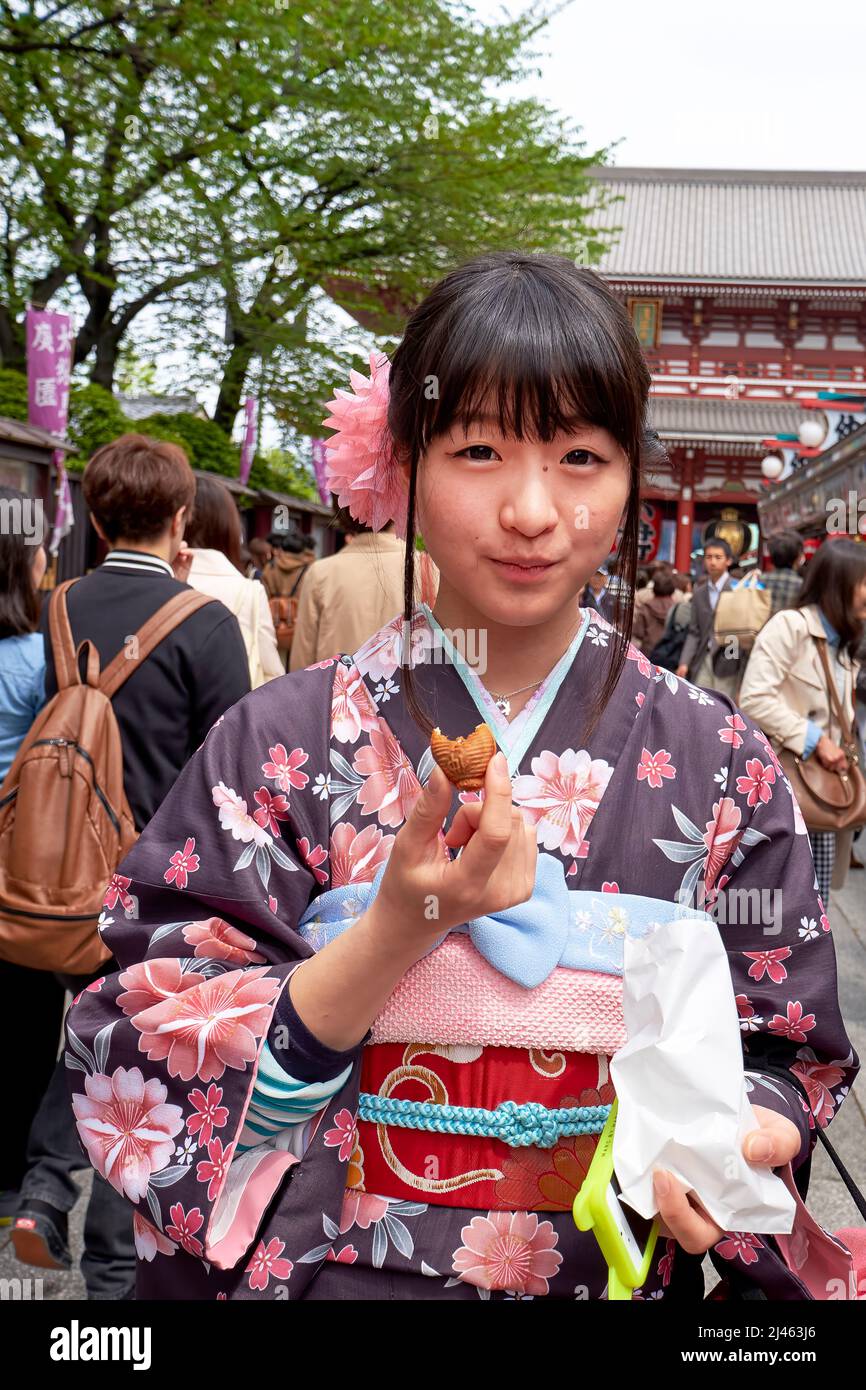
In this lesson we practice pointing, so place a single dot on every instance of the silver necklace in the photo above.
(503, 702)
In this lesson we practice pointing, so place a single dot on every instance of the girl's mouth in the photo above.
(521, 572)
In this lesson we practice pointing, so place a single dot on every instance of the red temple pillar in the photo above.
(685, 517)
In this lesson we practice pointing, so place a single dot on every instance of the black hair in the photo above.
(785, 549)
(293, 540)
(542, 343)
(19, 606)
(835, 570)
(720, 544)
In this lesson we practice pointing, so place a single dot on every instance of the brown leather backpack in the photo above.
(65, 822)
(284, 611)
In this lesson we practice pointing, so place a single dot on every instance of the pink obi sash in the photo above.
(454, 996)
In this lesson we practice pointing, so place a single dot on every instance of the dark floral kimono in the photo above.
(243, 1185)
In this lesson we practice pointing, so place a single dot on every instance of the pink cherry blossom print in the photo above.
(235, 817)
(769, 963)
(561, 797)
(508, 1250)
(216, 1025)
(271, 810)
(126, 1128)
(361, 1209)
(267, 1264)
(214, 1170)
(343, 1136)
(722, 837)
(757, 785)
(357, 855)
(284, 768)
(382, 653)
(390, 787)
(794, 1024)
(116, 892)
(740, 1245)
(353, 711)
(183, 1227)
(149, 1242)
(347, 1256)
(320, 665)
(736, 726)
(219, 940)
(181, 864)
(653, 768)
(314, 858)
(610, 887)
(634, 653)
(149, 982)
(819, 1078)
(209, 1114)
(93, 988)
(769, 750)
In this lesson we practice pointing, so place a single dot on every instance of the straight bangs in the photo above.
(534, 354)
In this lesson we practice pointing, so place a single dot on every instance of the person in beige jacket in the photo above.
(347, 597)
(785, 690)
(210, 561)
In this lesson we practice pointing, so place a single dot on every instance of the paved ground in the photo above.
(829, 1201)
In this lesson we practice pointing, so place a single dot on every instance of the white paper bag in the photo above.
(680, 1082)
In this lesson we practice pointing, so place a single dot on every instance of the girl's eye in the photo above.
(582, 457)
(480, 452)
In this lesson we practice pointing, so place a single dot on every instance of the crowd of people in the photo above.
(272, 606)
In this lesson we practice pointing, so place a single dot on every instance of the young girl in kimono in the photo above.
(312, 980)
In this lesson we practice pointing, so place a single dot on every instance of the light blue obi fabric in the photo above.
(557, 926)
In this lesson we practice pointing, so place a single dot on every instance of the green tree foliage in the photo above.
(230, 163)
(205, 444)
(13, 394)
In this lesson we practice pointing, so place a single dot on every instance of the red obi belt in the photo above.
(460, 1170)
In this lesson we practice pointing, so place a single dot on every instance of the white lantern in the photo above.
(772, 466)
(811, 433)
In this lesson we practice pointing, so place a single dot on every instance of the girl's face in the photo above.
(859, 604)
(518, 527)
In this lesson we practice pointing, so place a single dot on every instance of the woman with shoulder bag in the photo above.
(799, 686)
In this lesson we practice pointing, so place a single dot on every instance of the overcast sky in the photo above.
(736, 84)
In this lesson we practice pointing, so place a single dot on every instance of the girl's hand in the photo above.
(680, 1212)
(830, 755)
(424, 893)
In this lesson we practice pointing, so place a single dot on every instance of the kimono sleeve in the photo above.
(780, 948)
(201, 917)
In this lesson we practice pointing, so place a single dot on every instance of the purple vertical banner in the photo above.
(248, 448)
(49, 368)
(320, 458)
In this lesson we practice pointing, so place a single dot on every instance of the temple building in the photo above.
(748, 292)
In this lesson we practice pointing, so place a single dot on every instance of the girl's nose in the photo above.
(529, 506)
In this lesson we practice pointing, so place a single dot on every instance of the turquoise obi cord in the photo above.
(519, 1126)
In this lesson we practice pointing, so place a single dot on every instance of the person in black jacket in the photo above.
(139, 492)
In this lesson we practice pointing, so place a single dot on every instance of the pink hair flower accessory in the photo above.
(361, 468)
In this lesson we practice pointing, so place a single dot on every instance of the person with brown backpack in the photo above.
(283, 577)
(138, 668)
(27, 994)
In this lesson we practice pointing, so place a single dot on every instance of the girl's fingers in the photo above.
(493, 833)
(693, 1229)
(464, 824)
(776, 1143)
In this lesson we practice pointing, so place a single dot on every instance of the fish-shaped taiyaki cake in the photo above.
(464, 760)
